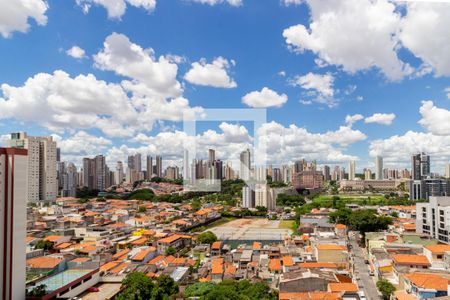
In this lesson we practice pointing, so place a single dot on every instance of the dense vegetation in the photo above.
(386, 288)
(137, 286)
(363, 221)
(230, 289)
(290, 200)
(207, 237)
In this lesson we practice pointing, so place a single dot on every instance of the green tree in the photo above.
(43, 244)
(142, 209)
(164, 287)
(386, 288)
(207, 237)
(199, 289)
(137, 287)
(170, 251)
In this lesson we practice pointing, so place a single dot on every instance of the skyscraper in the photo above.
(378, 168)
(13, 220)
(159, 166)
(119, 175)
(351, 170)
(447, 171)
(70, 181)
(420, 166)
(149, 167)
(211, 156)
(42, 178)
(245, 167)
(95, 173)
(326, 173)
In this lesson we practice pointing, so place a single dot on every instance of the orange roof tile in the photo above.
(43, 262)
(257, 246)
(318, 265)
(409, 226)
(275, 264)
(121, 253)
(109, 265)
(340, 226)
(53, 238)
(310, 296)
(172, 238)
(342, 287)
(441, 248)
(230, 269)
(156, 260)
(330, 247)
(217, 266)
(410, 259)
(216, 245)
(402, 295)
(118, 268)
(428, 281)
(142, 254)
(140, 241)
(287, 261)
(63, 246)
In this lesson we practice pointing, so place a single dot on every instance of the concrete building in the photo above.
(41, 177)
(13, 198)
(69, 181)
(119, 174)
(158, 166)
(420, 166)
(378, 168)
(351, 170)
(326, 173)
(265, 196)
(377, 185)
(245, 167)
(367, 174)
(447, 171)
(310, 180)
(433, 218)
(248, 197)
(424, 189)
(95, 173)
(149, 167)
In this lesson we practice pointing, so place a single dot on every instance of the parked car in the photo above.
(93, 289)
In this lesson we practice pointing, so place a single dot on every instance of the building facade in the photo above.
(13, 199)
(433, 218)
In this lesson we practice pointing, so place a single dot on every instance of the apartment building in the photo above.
(433, 218)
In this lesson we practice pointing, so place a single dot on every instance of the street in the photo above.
(362, 271)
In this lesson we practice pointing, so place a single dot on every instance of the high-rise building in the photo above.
(158, 166)
(42, 177)
(367, 174)
(95, 173)
(432, 218)
(119, 174)
(186, 169)
(70, 181)
(309, 180)
(211, 156)
(265, 196)
(13, 219)
(378, 168)
(172, 173)
(245, 167)
(149, 167)
(228, 171)
(447, 171)
(351, 170)
(326, 173)
(420, 166)
(248, 197)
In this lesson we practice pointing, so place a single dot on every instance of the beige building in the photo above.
(41, 177)
(264, 196)
(331, 253)
(13, 219)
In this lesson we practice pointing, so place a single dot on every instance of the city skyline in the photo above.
(329, 108)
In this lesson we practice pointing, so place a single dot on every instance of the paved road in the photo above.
(362, 270)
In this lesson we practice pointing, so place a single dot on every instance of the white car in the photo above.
(361, 295)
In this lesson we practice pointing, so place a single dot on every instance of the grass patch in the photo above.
(327, 200)
(219, 222)
(286, 224)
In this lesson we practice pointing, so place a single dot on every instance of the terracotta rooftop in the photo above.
(330, 247)
(410, 259)
(343, 287)
(43, 262)
(441, 248)
(428, 281)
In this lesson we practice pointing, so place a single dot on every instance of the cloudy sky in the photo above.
(340, 80)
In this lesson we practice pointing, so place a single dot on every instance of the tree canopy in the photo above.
(230, 290)
(207, 237)
(290, 200)
(386, 288)
(140, 287)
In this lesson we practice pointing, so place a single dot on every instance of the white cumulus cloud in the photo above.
(379, 118)
(351, 119)
(436, 120)
(320, 87)
(214, 2)
(116, 8)
(15, 14)
(264, 98)
(76, 52)
(213, 74)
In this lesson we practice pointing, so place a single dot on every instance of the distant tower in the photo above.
(378, 168)
(351, 170)
(245, 167)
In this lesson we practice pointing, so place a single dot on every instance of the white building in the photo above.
(119, 174)
(378, 168)
(351, 170)
(248, 197)
(70, 181)
(13, 220)
(245, 167)
(433, 218)
(265, 196)
(447, 171)
(41, 177)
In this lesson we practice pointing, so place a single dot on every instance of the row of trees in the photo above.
(137, 286)
(230, 290)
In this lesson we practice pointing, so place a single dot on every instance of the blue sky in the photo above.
(268, 44)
